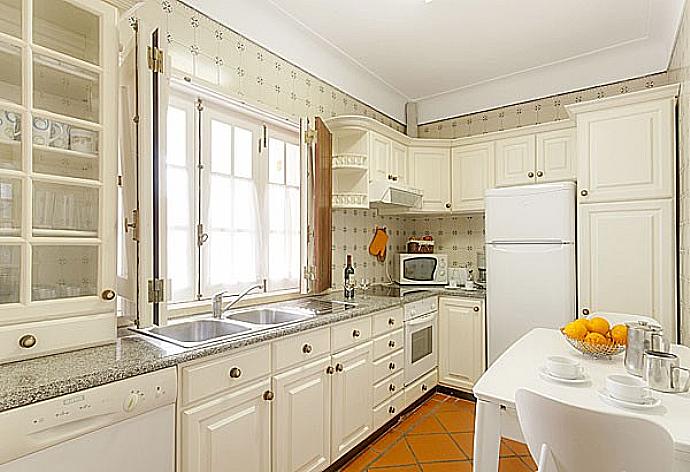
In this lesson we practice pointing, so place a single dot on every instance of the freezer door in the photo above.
(543, 212)
(528, 286)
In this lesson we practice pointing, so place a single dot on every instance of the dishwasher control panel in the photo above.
(33, 427)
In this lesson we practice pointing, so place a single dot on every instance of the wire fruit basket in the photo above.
(597, 351)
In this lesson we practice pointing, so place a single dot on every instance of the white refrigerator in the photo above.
(530, 261)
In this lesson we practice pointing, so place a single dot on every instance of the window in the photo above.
(233, 188)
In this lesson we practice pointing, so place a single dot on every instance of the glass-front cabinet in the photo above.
(58, 151)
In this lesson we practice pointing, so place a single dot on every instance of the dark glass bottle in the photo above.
(349, 282)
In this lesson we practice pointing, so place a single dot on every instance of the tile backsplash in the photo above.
(458, 236)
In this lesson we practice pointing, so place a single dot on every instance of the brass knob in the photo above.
(391, 410)
(424, 388)
(391, 387)
(338, 367)
(584, 193)
(585, 311)
(330, 370)
(390, 176)
(391, 344)
(356, 333)
(391, 366)
(268, 395)
(235, 373)
(448, 205)
(307, 349)
(391, 321)
(395, 178)
(530, 174)
(476, 308)
(27, 341)
(540, 173)
(108, 294)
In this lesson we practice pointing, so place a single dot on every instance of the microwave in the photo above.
(421, 269)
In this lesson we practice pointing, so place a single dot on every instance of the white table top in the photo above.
(518, 368)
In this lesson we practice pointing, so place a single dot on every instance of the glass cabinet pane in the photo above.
(66, 28)
(10, 264)
(10, 73)
(63, 271)
(11, 14)
(66, 89)
(47, 161)
(65, 208)
(10, 207)
(10, 140)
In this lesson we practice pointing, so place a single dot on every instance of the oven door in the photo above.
(421, 346)
(419, 270)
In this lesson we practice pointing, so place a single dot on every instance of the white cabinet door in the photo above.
(431, 173)
(230, 432)
(471, 175)
(380, 157)
(302, 418)
(352, 398)
(627, 153)
(399, 164)
(556, 158)
(461, 342)
(627, 260)
(515, 159)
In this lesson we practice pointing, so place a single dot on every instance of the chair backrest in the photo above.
(621, 318)
(584, 440)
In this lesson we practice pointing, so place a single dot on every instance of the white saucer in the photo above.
(545, 374)
(650, 403)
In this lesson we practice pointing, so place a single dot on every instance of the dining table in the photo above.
(519, 367)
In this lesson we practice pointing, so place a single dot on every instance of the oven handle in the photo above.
(421, 319)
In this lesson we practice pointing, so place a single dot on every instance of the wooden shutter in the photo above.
(322, 207)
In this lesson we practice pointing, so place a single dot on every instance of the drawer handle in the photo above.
(339, 367)
(27, 341)
(391, 366)
(108, 294)
(476, 308)
(268, 395)
(584, 193)
(307, 349)
(330, 370)
(448, 205)
(391, 410)
(585, 311)
(540, 173)
(235, 373)
(424, 388)
(391, 387)
(391, 321)
(391, 343)
(356, 333)
(530, 174)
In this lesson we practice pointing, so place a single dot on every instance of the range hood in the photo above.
(385, 194)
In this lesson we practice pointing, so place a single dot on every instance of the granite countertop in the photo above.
(26, 382)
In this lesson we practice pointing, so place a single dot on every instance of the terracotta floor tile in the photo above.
(427, 425)
(448, 467)
(434, 447)
(456, 405)
(386, 440)
(505, 451)
(359, 463)
(399, 454)
(428, 408)
(407, 423)
(519, 448)
(456, 421)
(530, 462)
(401, 468)
(466, 442)
(512, 464)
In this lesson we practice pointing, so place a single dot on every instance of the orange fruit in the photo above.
(596, 338)
(619, 334)
(598, 325)
(575, 330)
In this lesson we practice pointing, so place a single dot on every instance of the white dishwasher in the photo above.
(128, 425)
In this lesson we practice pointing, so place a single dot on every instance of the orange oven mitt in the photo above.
(378, 244)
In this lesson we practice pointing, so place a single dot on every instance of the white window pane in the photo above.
(293, 217)
(178, 196)
(278, 259)
(276, 161)
(294, 257)
(219, 261)
(180, 264)
(221, 147)
(220, 199)
(244, 206)
(177, 136)
(244, 263)
(276, 208)
(292, 164)
(243, 152)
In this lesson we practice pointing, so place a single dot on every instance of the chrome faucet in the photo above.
(218, 309)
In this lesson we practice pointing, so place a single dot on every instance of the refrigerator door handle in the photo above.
(497, 242)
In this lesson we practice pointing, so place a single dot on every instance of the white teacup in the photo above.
(564, 367)
(627, 388)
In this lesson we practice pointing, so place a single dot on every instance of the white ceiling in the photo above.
(461, 56)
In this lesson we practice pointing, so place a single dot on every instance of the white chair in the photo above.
(565, 438)
(621, 318)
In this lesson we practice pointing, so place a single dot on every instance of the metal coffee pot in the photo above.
(642, 336)
(662, 372)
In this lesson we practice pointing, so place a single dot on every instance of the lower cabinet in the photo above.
(461, 342)
(230, 432)
(302, 418)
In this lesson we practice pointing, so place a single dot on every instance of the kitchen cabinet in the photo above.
(229, 432)
(351, 412)
(627, 260)
(302, 417)
(461, 342)
(57, 175)
(515, 161)
(380, 163)
(430, 172)
(471, 176)
(556, 156)
(399, 163)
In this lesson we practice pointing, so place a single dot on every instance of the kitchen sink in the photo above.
(197, 332)
(268, 316)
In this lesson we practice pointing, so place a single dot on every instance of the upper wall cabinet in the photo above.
(471, 175)
(515, 161)
(399, 166)
(626, 146)
(556, 157)
(381, 157)
(430, 168)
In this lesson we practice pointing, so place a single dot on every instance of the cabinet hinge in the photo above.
(133, 225)
(119, 181)
(309, 273)
(310, 136)
(156, 290)
(156, 60)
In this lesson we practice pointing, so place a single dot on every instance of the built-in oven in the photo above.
(421, 338)
(421, 269)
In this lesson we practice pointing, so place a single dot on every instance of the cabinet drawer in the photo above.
(415, 390)
(387, 410)
(388, 321)
(301, 347)
(389, 387)
(207, 378)
(388, 365)
(350, 333)
(388, 343)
